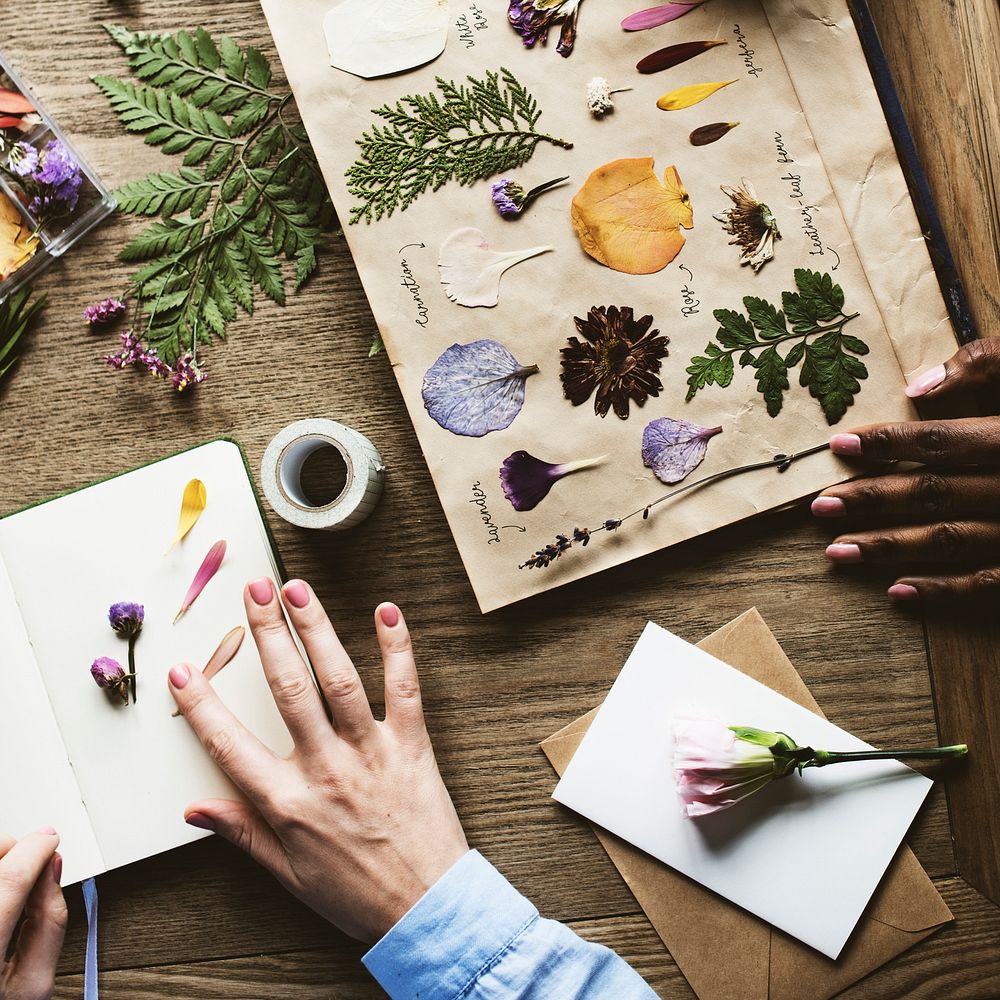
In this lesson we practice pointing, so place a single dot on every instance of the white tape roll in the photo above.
(281, 473)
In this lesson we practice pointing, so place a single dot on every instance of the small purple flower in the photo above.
(533, 24)
(510, 199)
(104, 311)
(506, 196)
(154, 364)
(126, 617)
(110, 676)
(130, 353)
(526, 480)
(23, 159)
(60, 174)
(185, 373)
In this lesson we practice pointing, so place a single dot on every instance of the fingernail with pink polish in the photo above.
(926, 381)
(57, 866)
(389, 614)
(845, 444)
(261, 591)
(199, 820)
(49, 831)
(828, 507)
(844, 552)
(904, 592)
(179, 676)
(296, 592)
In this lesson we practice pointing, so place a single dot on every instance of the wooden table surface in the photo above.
(203, 922)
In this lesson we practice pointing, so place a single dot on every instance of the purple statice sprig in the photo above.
(510, 199)
(22, 159)
(546, 555)
(134, 353)
(105, 311)
(55, 183)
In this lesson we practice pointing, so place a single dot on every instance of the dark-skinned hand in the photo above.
(937, 525)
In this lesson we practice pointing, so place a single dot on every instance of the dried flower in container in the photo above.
(105, 311)
(110, 676)
(751, 224)
(510, 199)
(716, 766)
(618, 358)
(526, 480)
(532, 19)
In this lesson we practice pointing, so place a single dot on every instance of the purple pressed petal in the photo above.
(209, 567)
(526, 480)
(475, 388)
(674, 448)
(653, 16)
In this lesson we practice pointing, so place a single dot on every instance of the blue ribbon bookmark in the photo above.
(90, 964)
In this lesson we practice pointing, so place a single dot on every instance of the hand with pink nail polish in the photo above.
(944, 517)
(357, 822)
(30, 870)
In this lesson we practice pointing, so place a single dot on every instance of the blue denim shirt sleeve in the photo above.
(473, 936)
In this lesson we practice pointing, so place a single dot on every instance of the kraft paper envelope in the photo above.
(725, 951)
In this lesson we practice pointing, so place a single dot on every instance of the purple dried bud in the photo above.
(104, 311)
(508, 197)
(110, 676)
(126, 617)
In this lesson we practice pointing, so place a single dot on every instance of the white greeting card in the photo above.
(112, 779)
(804, 854)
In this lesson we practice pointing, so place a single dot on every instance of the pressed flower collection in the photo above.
(629, 216)
(126, 618)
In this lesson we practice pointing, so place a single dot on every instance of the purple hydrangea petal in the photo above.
(675, 448)
(475, 388)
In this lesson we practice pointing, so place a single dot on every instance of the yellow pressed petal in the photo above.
(686, 97)
(192, 504)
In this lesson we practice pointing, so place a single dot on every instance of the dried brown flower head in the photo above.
(619, 357)
(751, 224)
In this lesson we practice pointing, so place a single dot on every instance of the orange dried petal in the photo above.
(626, 219)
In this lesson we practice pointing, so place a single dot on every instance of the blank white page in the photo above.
(37, 786)
(69, 560)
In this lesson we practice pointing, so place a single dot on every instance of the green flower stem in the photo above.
(823, 757)
(131, 665)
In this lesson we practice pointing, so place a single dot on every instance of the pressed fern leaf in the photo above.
(247, 196)
(16, 318)
(466, 133)
(831, 368)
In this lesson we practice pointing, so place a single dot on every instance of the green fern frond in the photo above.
(16, 319)
(247, 196)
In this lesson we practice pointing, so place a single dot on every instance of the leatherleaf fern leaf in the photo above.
(465, 132)
(245, 210)
(828, 358)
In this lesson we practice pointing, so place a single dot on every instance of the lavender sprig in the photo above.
(548, 554)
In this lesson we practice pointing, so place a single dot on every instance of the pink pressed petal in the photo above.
(209, 567)
(653, 16)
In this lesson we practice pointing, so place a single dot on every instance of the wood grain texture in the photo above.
(203, 922)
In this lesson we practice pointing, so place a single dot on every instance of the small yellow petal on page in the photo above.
(192, 504)
(686, 97)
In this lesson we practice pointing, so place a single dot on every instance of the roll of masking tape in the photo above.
(285, 457)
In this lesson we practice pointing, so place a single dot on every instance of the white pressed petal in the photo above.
(471, 271)
(372, 38)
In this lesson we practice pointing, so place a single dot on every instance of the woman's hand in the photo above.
(30, 871)
(357, 822)
(945, 516)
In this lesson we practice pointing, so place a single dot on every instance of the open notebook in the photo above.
(114, 780)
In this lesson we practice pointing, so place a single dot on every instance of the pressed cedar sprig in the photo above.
(547, 555)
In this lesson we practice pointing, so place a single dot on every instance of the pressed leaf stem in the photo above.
(818, 331)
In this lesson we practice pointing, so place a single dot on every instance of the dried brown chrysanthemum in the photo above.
(751, 224)
(619, 358)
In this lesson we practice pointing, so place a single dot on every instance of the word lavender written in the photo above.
(547, 555)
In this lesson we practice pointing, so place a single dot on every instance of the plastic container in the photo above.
(49, 195)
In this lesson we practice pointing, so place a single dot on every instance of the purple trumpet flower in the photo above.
(526, 480)
(533, 24)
